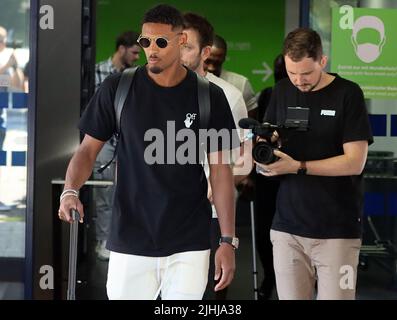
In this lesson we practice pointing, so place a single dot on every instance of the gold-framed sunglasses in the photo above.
(161, 42)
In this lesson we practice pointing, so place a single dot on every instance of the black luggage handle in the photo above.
(74, 232)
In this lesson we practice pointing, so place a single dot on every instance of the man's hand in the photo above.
(284, 165)
(224, 265)
(67, 204)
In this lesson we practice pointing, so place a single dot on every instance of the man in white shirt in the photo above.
(214, 65)
(196, 50)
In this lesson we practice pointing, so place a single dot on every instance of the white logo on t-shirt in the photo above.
(189, 119)
(330, 113)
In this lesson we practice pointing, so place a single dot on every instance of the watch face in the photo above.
(235, 242)
(302, 171)
(232, 241)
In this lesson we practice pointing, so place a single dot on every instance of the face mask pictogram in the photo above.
(368, 52)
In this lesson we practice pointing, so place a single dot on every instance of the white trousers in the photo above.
(181, 276)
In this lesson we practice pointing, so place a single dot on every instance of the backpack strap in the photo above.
(121, 95)
(203, 90)
(122, 91)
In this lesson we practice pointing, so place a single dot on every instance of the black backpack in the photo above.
(121, 95)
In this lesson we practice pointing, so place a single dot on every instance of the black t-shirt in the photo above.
(159, 209)
(317, 206)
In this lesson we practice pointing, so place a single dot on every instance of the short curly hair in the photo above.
(164, 14)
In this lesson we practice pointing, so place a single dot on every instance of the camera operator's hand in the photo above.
(284, 165)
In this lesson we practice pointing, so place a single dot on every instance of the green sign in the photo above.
(254, 30)
(364, 48)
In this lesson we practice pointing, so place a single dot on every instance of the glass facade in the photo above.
(14, 56)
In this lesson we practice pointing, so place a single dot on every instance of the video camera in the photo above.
(263, 151)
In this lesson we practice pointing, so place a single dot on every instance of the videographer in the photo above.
(316, 232)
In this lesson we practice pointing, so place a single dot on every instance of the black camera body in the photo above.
(263, 152)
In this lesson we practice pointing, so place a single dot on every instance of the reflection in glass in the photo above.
(14, 56)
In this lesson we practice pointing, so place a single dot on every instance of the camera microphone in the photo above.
(248, 123)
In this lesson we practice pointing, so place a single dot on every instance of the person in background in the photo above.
(214, 64)
(11, 75)
(196, 50)
(265, 195)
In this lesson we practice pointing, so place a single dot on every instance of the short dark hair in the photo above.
(302, 43)
(127, 39)
(220, 43)
(202, 26)
(164, 14)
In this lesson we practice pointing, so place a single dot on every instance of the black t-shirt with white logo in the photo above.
(159, 208)
(317, 206)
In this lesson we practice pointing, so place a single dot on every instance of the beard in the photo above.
(308, 87)
(155, 70)
(126, 64)
(193, 65)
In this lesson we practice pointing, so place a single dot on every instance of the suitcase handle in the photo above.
(74, 232)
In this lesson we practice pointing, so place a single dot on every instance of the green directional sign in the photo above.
(364, 48)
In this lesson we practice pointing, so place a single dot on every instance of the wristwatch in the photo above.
(302, 169)
(233, 241)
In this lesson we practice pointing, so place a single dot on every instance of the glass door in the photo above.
(14, 77)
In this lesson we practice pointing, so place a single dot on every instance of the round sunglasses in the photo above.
(161, 42)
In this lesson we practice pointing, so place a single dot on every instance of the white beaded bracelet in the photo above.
(70, 191)
(67, 194)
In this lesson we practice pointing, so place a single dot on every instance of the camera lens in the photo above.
(263, 153)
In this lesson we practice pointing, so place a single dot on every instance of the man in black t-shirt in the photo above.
(316, 232)
(126, 54)
(159, 237)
